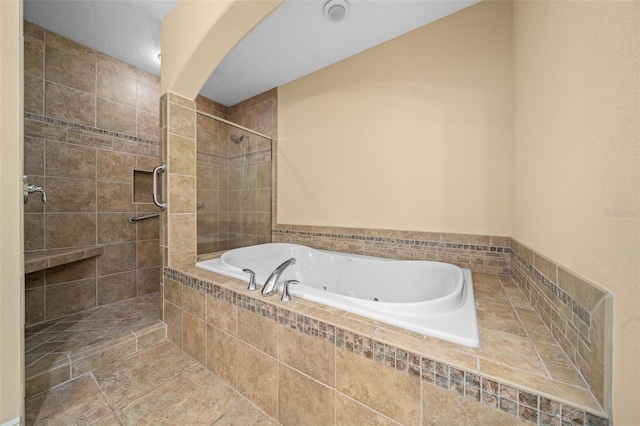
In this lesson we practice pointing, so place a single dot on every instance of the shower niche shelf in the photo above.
(45, 259)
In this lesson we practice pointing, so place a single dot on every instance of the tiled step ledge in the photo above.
(44, 259)
(42, 376)
(434, 362)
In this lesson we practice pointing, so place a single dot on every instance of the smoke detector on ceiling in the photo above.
(336, 10)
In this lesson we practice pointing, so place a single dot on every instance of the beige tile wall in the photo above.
(178, 130)
(260, 113)
(90, 121)
(479, 253)
(578, 313)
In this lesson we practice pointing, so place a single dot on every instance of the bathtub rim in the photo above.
(452, 326)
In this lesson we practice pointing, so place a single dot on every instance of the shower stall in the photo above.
(234, 185)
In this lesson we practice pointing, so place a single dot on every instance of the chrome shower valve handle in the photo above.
(31, 188)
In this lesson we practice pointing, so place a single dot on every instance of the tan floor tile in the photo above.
(77, 402)
(487, 288)
(103, 355)
(515, 295)
(127, 379)
(245, 413)
(45, 363)
(195, 397)
(558, 364)
(535, 327)
(495, 316)
(108, 420)
(507, 349)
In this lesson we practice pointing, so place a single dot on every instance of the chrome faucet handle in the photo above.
(34, 188)
(286, 296)
(252, 279)
(28, 188)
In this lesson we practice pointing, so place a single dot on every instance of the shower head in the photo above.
(236, 139)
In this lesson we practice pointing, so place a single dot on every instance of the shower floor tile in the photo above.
(73, 334)
(158, 385)
(59, 350)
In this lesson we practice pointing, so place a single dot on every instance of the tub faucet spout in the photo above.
(271, 284)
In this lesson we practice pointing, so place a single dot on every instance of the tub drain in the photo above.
(375, 299)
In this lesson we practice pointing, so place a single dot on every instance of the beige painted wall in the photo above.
(576, 157)
(413, 134)
(11, 259)
(197, 35)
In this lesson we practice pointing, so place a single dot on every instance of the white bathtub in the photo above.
(430, 298)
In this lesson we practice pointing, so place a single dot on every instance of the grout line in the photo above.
(524, 328)
(104, 394)
(213, 289)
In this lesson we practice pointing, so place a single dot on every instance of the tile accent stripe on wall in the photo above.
(114, 140)
(582, 318)
(570, 317)
(478, 253)
(528, 406)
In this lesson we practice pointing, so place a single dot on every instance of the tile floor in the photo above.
(76, 333)
(158, 385)
(58, 350)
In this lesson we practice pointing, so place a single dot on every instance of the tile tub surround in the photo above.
(271, 352)
(578, 313)
(60, 350)
(90, 121)
(479, 253)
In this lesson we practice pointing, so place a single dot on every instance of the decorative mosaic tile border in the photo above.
(209, 159)
(581, 319)
(528, 406)
(114, 140)
(568, 319)
(495, 259)
(412, 242)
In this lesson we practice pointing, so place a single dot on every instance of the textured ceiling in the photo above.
(293, 41)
